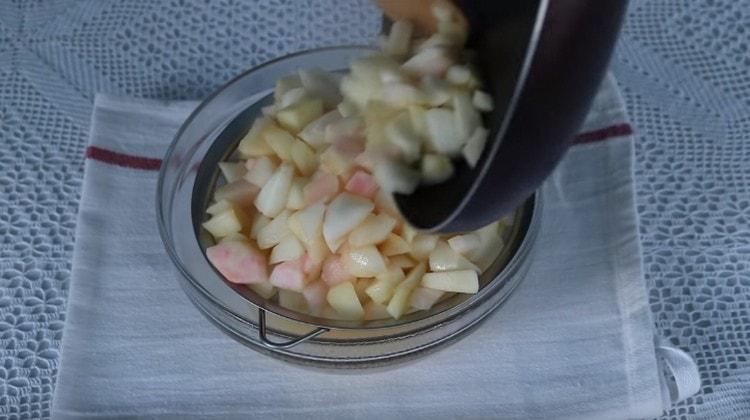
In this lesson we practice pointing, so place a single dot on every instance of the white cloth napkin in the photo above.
(575, 340)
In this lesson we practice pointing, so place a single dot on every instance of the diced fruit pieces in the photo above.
(306, 224)
(260, 172)
(265, 289)
(276, 230)
(322, 186)
(436, 168)
(343, 299)
(467, 117)
(232, 171)
(474, 146)
(334, 271)
(444, 135)
(296, 116)
(402, 261)
(429, 62)
(218, 207)
(463, 244)
(292, 300)
(490, 244)
(401, 134)
(314, 133)
(375, 311)
(287, 250)
(321, 84)
(303, 158)
(399, 38)
(285, 84)
(289, 275)
(253, 144)
(239, 262)
(422, 245)
(385, 283)
(273, 196)
(399, 303)
(280, 141)
(364, 261)
(395, 177)
(240, 192)
(482, 101)
(423, 298)
(226, 223)
(344, 213)
(296, 199)
(444, 258)
(374, 230)
(259, 222)
(315, 296)
(459, 281)
(363, 184)
(335, 162)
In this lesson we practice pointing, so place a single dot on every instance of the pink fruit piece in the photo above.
(315, 295)
(334, 271)
(310, 268)
(349, 147)
(322, 186)
(250, 163)
(289, 275)
(363, 184)
(239, 262)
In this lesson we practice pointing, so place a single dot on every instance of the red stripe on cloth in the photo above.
(604, 134)
(121, 159)
(151, 164)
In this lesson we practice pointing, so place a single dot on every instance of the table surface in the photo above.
(683, 67)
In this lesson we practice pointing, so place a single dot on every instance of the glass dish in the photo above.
(186, 181)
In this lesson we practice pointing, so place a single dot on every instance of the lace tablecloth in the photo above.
(683, 67)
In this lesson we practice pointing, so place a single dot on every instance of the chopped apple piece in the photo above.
(229, 221)
(394, 245)
(466, 116)
(314, 133)
(402, 135)
(232, 171)
(292, 300)
(343, 299)
(436, 169)
(239, 262)
(460, 281)
(490, 244)
(438, 92)
(321, 187)
(306, 224)
(321, 84)
(429, 62)
(344, 213)
(291, 97)
(347, 109)
(423, 298)
(422, 245)
(482, 101)
(296, 199)
(385, 203)
(374, 230)
(385, 283)
(253, 144)
(261, 171)
(315, 296)
(408, 232)
(303, 158)
(265, 289)
(464, 244)
(334, 271)
(402, 94)
(402, 261)
(334, 161)
(280, 141)
(287, 250)
(375, 311)
(443, 133)
(285, 84)
(474, 146)
(234, 237)
(363, 184)
(444, 258)
(276, 230)
(399, 38)
(218, 207)
(289, 275)
(296, 116)
(259, 222)
(417, 117)
(317, 251)
(275, 193)
(364, 261)
(459, 75)
(239, 192)
(395, 177)
(359, 287)
(399, 303)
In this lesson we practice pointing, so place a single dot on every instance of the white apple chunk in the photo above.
(401, 94)
(296, 199)
(490, 244)
(232, 171)
(287, 250)
(395, 177)
(239, 192)
(239, 262)
(418, 122)
(285, 84)
(435, 168)
(218, 207)
(399, 303)
(334, 271)
(307, 224)
(474, 146)
(394, 245)
(375, 311)
(347, 109)
(401, 134)
(280, 141)
(291, 97)
(232, 220)
(437, 91)
(373, 230)
(276, 230)
(422, 245)
(423, 298)
(292, 300)
(364, 261)
(429, 62)
(466, 116)
(402, 261)
(322, 186)
(344, 213)
(362, 184)
(465, 243)
(314, 133)
(289, 275)
(304, 158)
(343, 299)
(399, 38)
(444, 258)
(265, 289)
(482, 101)
(444, 136)
(259, 222)
(334, 161)
(260, 172)
(321, 84)
(253, 144)
(381, 290)
(459, 75)
(459, 281)
(296, 116)
(385, 203)
(317, 250)
(273, 196)
(315, 297)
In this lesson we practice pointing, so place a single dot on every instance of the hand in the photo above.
(419, 12)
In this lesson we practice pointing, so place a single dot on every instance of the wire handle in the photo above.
(263, 330)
